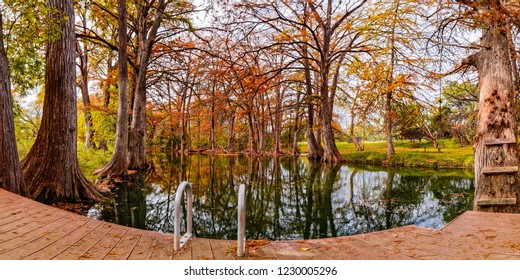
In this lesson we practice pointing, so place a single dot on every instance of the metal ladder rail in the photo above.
(241, 237)
(179, 242)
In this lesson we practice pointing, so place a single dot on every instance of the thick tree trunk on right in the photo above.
(496, 120)
(10, 170)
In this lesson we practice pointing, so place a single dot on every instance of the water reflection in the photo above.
(292, 198)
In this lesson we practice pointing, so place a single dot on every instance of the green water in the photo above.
(290, 198)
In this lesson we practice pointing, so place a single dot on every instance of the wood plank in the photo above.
(13, 209)
(64, 243)
(101, 249)
(74, 222)
(43, 221)
(45, 232)
(142, 250)
(491, 170)
(265, 252)
(200, 249)
(284, 251)
(20, 219)
(307, 249)
(78, 249)
(163, 247)
(223, 249)
(499, 141)
(35, 234)
(125, 246)
(359, 249)
(497, 201)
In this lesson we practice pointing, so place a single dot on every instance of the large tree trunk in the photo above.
(390, 151)
(297, 127)
(118, 165)
(10, 170)
(146, 34)
(89, 130)
(277, 149)
(315, 150)
(331, 152)
(496, 191)
(231, 141)
(352, 135)
(253, 145)
(51, 168)
(83, 66)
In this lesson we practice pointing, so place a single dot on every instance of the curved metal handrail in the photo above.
(241, 237)
(179, 242)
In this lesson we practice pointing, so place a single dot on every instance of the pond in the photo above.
(290, 197)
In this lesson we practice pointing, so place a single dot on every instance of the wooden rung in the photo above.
(500, 141)
(499, 170)
(497, 201)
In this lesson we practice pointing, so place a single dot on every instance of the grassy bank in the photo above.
(409, 154)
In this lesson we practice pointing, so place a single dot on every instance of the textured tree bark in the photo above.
(118, 165)
(253, 144)
(83, 67)
(315, 150)
(10, 169)
(231, 141)
(331, 152)
(496, 120)
(297, 127)
(352, 136)
(146, 34)
(89, 130)
(390, 151)
(51, 168)
(277, 150)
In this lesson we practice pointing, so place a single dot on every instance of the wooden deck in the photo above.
(31, 230)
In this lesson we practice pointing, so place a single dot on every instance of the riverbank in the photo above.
(409, 154)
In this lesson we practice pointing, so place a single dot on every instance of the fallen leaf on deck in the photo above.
(305, 249)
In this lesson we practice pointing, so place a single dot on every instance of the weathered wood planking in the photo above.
(31, 230)
(491, 170)
(497, 201)
(499, 141)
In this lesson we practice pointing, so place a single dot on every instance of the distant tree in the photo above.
(51, 168)
(459, 111)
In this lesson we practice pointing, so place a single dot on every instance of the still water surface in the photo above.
(290, 198)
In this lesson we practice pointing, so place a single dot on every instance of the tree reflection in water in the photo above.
(293, 198)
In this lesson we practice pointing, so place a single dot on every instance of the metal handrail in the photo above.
(179, 242)
(241, 237)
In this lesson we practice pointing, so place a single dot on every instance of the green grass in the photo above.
(89, 160)
(409, 154)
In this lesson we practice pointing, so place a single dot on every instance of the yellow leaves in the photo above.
(284, 36)
(304, 249)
